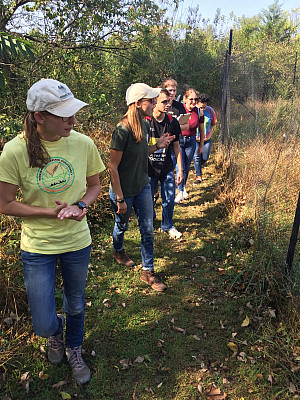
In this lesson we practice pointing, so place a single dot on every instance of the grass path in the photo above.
(173, 345)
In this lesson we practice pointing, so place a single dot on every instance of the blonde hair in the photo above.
(187, 93)
(37, 154)
(133, 121)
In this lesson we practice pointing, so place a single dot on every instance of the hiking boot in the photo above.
(174, 233)
(55, 345)
(81, 372)
(185, 194)
(152, 279)
(179, 197)
(122, 258)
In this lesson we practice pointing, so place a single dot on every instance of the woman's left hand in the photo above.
(70, 212)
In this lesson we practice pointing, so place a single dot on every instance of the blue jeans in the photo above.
(200, 160)
(187, 146)
(143, 207)
(39, 277)
(167, 191)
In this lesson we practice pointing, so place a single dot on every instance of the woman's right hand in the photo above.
(122, 208)
(64, 210)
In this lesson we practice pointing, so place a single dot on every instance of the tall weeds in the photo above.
(262, 190)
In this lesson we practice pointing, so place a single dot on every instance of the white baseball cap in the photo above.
(53, 96)
(138, 91)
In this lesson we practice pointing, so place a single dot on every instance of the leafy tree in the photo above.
(263, 54)
(70, 38)
(11, 47)
(275, 24)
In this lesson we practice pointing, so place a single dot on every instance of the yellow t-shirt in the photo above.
(73, 159)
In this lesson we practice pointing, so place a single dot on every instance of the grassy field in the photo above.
(210, 335)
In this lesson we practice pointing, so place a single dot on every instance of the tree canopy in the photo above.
(100, 47)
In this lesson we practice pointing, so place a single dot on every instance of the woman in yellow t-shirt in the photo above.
(58, 172)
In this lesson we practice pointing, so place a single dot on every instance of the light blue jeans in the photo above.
(187, 147)
(200, 160)
(143, 207)
(39, 277)
(167, 190)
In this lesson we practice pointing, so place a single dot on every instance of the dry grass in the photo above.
(261, 195)
(265, 172)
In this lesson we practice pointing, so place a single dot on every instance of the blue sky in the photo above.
(248, 8)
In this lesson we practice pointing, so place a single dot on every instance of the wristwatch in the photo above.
(121, 201)
(80, 204)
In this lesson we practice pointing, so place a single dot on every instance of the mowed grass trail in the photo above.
(141, 344)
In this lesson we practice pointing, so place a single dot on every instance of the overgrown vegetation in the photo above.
(231, 315)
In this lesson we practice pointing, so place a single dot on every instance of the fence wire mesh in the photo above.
(262, 137)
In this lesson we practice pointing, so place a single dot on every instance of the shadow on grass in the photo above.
(140, 344)
(145, 341)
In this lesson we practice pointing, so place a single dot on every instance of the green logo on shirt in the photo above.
(57, 176)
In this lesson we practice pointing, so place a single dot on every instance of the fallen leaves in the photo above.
(125, 363)
(43, 376)
(246, 321)
(233, 347)
(25, 381)
(139, 359)
(292, 388)
(215, 393)
(65, 395)
(178, 329)
(59, 384)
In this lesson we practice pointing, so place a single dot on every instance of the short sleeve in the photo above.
(214, 118)
(176, 130)
(119, 138)
(95, 163)
(9, 169)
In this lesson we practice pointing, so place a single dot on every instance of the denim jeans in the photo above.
(167, 190)
(200, 160)
(39, 277)
(187, 146)
(143, 207)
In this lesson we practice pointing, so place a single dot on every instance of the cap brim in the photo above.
(66, 108)
(154, 92)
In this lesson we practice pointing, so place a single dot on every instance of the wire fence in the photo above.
(267, 132)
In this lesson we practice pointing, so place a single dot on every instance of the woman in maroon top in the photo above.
(188, 141)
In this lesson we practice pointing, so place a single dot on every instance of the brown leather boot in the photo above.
(122, 258)
(152, 279)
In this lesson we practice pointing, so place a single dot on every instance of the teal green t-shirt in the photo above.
(133, 168)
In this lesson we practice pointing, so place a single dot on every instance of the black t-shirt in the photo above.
(176, 108)
(160, 162)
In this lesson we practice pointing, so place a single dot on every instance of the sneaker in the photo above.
(81, 372)
(55, 345)
(185, 194)
(198, 181)
(122, 258)
(179, 197)
(173, 233)
(152, 279)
